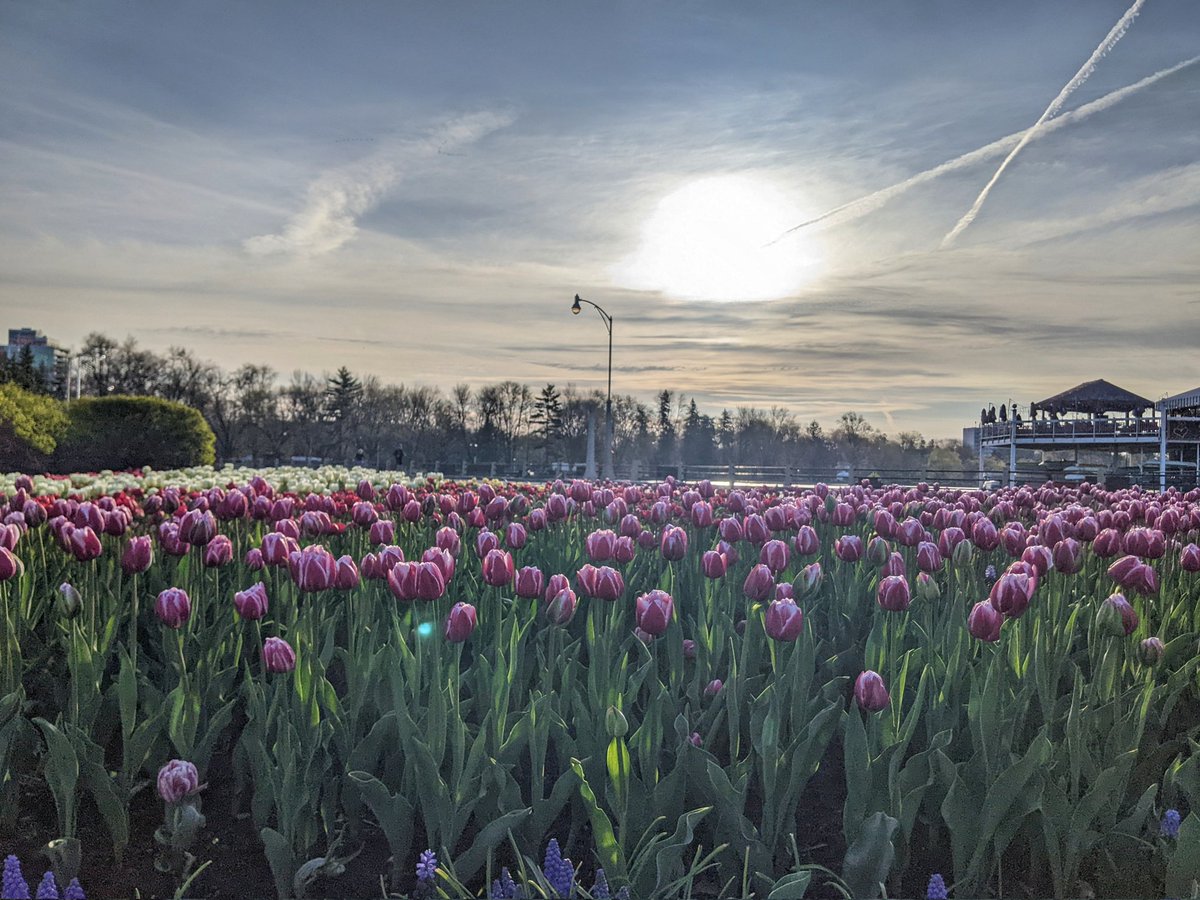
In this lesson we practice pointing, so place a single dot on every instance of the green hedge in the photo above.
(31, 426)
(132, 432)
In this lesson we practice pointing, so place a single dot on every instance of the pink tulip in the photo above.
(176, 780)
(173, 607)
(252, 603)
(654, 611)
(530, 583)
(893, 593)
(278, 655)
(674, 543)
(460, 623)
(870, 693)
(784, 620)
(84, 544)
(984, 622)
(138, 555)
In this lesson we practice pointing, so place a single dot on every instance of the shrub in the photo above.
(31, 426)
(132, 432)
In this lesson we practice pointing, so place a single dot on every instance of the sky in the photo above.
(418, 190)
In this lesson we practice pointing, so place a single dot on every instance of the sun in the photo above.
(712, 239)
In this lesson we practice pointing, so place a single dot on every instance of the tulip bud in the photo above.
(654, 611)
(460, 623)
(759, 583)
(1117, 617)
(984, 622)
(176, 780)
(430, 582)
(498, 568)
(784, 620)
(927, 588)
(1151, 651)
(870, 692)
(138, 555)
(695, 740)
(1189, 558)
(713, 687)
(808, 582)
(963, 554)
(278, 655)
(69, 603)
(530, 582)
(346, 575)
(561, 608)
(252, 603)
(609, 584)
(674, 543)
(893, 593)
(877, 552)
(615, 723)
(173, 607)
(689, 648)
(1068, 556)
(774, 555)
(848, 548)
(218, 552)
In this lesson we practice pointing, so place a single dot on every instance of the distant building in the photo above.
(48, 358)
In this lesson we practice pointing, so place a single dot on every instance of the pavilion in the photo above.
(1100, 416)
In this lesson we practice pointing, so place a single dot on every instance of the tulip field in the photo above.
(350, 683)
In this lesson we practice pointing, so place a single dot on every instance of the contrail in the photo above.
(868, 203)
(1055, 105)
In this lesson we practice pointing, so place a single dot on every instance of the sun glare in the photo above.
(709, 240)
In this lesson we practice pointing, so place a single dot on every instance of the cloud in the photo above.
(337, 199)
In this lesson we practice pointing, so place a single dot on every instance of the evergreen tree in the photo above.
(699, 437)
(343, 396)
(548, 421)
(666, 429)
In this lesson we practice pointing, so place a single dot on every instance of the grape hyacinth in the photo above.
(600, 889)
(623, 893)
(74, 891)
(558, 871)
(47, 888)
(1170, 824)
(936, 889)
(427, 866)
(504, 888)
(14, 886)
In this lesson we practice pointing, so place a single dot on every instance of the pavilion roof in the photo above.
(1095, 397)
(1186, 400)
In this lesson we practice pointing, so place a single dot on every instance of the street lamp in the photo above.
(608, 419)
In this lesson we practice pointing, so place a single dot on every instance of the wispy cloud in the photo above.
(337, 199)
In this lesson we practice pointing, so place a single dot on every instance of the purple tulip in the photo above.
(278, 655)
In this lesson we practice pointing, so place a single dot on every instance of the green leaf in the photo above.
(472, 860)
(282, 861)
(858, 775)
(668, 861)
(791, 887)
(62, 775)
(607, 847)
(1183, 870)
(869, 859)
(393, 813)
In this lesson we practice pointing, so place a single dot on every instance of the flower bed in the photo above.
(306, 681)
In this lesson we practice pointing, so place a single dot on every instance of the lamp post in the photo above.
(608, 419)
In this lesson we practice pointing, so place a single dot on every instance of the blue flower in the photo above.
(623, 893)
(74, 891)
(1170, 824)
(600, 888)
(990, 573)
(936, 889)
(504, 888)
(13, 886)
(427, 866)
(559, 872)
(47, 888)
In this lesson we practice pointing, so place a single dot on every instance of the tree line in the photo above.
(260, 417)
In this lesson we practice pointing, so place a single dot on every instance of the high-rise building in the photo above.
(48, 358)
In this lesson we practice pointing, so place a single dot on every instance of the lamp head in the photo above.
(575, 307)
